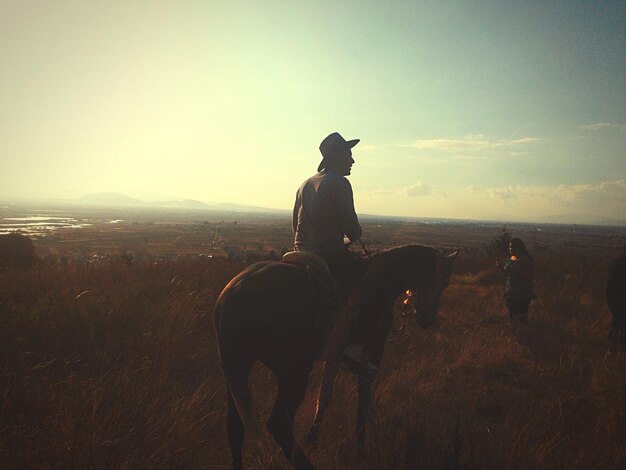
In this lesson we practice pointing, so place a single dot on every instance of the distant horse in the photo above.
(276, 313)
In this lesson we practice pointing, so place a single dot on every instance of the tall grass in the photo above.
(114, 365)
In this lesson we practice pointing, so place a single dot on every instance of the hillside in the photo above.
(114, 364)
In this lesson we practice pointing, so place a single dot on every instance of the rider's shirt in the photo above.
(324, 213)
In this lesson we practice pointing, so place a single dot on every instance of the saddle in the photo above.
(307, 258)
(323, 285)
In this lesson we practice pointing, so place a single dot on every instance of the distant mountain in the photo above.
(229, 206)
(184, 204)
(122, 200)
(110, 199)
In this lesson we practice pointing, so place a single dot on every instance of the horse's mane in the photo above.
(392, 266)
(388, 272)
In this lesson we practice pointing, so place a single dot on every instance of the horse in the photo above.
(287, 316)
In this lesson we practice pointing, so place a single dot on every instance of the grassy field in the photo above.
(114, 365)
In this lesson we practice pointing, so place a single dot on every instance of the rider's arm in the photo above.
(347, 214)
(296, 208)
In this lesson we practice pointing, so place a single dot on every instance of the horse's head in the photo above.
(426, 298)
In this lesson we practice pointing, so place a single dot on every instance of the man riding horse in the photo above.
(323, 217)
(287, 314)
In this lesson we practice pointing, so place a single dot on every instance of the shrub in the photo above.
(17, 251)
(499, 246)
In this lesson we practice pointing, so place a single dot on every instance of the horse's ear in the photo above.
(453, 255)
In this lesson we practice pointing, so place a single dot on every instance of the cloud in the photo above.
(522, 141)
(602, 202)
(601, 194)
(468, 157)
(451, 145)
(417, 189)
(610, 190)
(414, 190)
(472, 143)
(614, 191)
(367, 147)
(501, 193)
(600, 126)
(383, 192)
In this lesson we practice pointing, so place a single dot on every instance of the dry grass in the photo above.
(114, 366)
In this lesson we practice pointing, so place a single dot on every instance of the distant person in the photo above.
(325, 222)
(519, 269)
(616, 297)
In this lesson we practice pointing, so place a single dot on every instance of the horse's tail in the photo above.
(236, 368)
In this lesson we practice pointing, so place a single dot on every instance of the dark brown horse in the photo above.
(276, 313)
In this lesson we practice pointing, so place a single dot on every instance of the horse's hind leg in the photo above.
(291, 390)
(242, 417)
(235, 429)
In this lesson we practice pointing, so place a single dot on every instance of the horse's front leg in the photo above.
(329, 371)
(365, 385)
(375, 348)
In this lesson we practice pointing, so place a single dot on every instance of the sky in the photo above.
(506, 110)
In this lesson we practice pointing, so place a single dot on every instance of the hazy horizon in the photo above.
(469, 110)
(115, 201)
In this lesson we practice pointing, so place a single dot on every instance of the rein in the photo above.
(407, 307)
(407, 304)
(367, 253)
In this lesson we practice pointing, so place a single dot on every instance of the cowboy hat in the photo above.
(333, 145)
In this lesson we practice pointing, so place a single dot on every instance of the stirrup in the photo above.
(357, 361)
